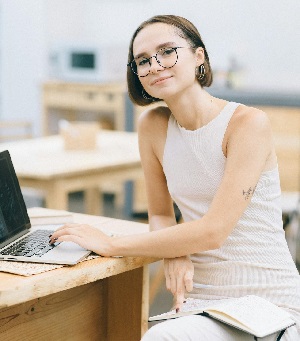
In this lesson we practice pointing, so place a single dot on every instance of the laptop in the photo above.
(18, 241)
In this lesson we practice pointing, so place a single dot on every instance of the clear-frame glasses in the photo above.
(166, 57)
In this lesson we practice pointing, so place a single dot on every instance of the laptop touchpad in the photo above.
(65, 251)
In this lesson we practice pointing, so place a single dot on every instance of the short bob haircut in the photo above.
(185, 30)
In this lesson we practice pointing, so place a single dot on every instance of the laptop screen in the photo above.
(13, 212)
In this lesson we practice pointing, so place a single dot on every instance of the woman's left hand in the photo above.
(179, 273)
(84, 235)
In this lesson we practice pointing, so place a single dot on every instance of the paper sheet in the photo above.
(28, 269)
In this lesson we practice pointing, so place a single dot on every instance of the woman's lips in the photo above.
(159, 80)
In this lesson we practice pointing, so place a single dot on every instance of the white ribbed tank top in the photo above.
(255, 258)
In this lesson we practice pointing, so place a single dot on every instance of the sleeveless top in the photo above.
(254, 259)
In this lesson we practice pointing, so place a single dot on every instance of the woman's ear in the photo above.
(200, 55)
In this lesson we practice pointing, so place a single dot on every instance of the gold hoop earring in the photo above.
(200, 72)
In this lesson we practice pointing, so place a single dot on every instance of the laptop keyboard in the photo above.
(35, 244)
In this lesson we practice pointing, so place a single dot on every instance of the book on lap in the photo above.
(251, 314)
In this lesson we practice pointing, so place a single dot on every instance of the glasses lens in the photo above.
(141, 66)
(167, 57)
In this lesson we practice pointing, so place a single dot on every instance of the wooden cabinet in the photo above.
(77, 101)
(285, 123)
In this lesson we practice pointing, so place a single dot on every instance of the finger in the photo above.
(188, 281)
(180, 290)
(175, 277)
(168, 282)
(65, 231)
(173, 284)
(71, 238)
(179, 299)
(167, 275)
(60, 231)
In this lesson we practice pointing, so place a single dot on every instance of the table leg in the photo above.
(128, 305)
(93, 201)
(57, 198)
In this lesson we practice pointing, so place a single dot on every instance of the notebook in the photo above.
(18, 240)
(252, 314)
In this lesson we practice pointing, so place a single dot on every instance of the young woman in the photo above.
(216, 160)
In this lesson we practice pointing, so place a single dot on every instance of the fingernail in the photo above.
(177, 310)
(52, 241)
(50, 235)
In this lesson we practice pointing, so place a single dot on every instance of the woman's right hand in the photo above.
(179, 273)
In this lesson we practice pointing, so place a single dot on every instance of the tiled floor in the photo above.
(163, 299)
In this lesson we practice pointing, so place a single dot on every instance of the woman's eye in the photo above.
(167, 52)
(142, 62)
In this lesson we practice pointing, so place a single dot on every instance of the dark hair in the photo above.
(187, 31)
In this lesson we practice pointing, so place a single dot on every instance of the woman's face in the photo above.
(163, 82)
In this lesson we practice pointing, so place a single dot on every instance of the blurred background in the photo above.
(255, 39)
(48, 46)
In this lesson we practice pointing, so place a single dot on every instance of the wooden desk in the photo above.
(100, 299)
(96, 102)
(44, 164)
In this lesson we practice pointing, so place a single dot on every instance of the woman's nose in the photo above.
(154, 65)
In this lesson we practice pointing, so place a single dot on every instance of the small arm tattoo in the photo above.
(248, 193)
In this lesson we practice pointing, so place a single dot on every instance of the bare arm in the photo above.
(179, 271)
(152, 130)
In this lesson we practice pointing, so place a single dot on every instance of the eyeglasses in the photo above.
(166, 57)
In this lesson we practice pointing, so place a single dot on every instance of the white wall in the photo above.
(261, 34)
(22, 59)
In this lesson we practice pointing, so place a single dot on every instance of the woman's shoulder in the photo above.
(250, 130)
(251, 119)
(154, 118)
(152, 130)
(160, 112)
(247, 114)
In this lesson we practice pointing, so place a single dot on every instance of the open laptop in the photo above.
(18, 241)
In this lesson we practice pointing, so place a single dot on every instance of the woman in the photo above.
(216, 160)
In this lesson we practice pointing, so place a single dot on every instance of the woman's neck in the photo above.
(195, 108)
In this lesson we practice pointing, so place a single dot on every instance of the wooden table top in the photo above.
(16, 289)
(45, 158)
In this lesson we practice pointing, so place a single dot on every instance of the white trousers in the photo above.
(201, 328)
